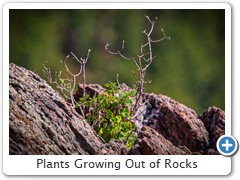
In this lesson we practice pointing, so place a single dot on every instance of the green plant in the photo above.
(109, 115)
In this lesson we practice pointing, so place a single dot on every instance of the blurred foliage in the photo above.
(189, 68)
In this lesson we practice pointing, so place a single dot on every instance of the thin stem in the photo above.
(84, 80)
(144, 59)
(67, 84)
(118, 52)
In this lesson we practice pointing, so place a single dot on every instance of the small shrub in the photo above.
(109, 114)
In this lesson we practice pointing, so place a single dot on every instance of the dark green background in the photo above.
(189, 68)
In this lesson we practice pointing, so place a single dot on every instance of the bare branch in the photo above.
(68, 70)
(138, 67)
(138, 112)
(124, 57)
(147, 65)
(74, 57)
(123, 44)
(83, 62)
(134, 75)
(152, 26)
(118, 52)
(150, 32)
(67, 84)
(89, 50)
(164, 37)
(146, 60)
(106, 48)
(143, 61)
(117, 80)
(150, 19)
(147, 82)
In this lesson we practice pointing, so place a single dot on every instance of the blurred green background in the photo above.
(189, 68)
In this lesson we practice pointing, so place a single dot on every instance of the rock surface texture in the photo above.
(214, 121)
(177, 123)
(41, 122)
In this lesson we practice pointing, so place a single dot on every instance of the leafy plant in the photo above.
(109, 114)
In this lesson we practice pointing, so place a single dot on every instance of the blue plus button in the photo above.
(227, 145)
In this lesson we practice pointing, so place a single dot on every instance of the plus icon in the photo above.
(227, 145)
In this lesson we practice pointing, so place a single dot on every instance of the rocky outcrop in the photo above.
(153, 143)
(176, 122)
(173, 124)
(42, 122)
(91, 89)
(214, 121)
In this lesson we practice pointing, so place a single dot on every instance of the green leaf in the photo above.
(76, 106)
(99, 97)
(128, 101)
(123, 126)
(100, 132)
(119, 119)
(107, 85)
(86, 97)
(120, 136)
(123, 95)
(130, 143)
(90, 119)
(124, 112)
(115, 88)
(109, 114)
(132, 93)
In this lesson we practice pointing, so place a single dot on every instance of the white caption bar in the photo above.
(118, 165)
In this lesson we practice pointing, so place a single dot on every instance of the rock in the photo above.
(177, 123)
(91, 89)
(117, 146)
(138, 118)
(41, 122)
(214, 121)
(172, 120)
(136, 148)
(153, 143)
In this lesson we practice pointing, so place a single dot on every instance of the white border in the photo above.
(12, 165)
(117, 5)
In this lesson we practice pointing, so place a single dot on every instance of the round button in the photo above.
(227, 145)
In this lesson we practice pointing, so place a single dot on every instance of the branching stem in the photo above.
(144, 60)
(68, 85)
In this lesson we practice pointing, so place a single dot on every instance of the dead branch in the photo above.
(64, 83)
